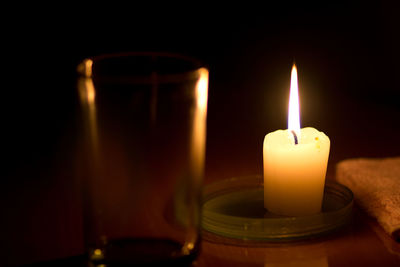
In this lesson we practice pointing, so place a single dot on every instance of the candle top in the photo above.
(284, 139)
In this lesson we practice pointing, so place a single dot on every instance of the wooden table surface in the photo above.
(362, 243)
(42, 219)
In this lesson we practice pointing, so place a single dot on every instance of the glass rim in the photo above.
(85, 68)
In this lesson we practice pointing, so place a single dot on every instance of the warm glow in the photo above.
(91, 93)
(202, 89)
(294, 109)
(87, 64)
(87, 94)
(199, 121)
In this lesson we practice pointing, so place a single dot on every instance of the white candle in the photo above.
(294, 174)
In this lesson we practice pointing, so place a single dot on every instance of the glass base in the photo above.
(234, 208)
(141, 252)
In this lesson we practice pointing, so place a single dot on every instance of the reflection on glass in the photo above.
(199, 122)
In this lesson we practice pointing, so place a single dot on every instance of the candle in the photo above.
(295, 162)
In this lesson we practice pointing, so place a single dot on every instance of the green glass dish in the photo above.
(234, 209)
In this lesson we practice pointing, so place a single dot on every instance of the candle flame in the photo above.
(294, 109)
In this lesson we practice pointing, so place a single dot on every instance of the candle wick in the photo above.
(295, 137)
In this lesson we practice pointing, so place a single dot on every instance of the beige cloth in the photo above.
(376, 187)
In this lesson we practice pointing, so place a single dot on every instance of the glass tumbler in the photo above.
(141, 157)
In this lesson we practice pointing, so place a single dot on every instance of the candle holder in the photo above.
(234, 209)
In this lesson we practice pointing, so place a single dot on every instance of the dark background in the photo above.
(348, 64)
